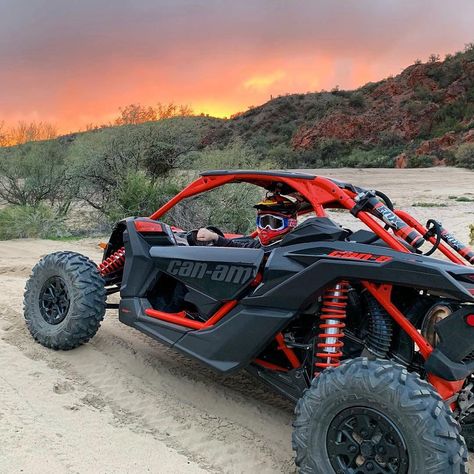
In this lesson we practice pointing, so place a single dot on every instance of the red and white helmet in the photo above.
(276, 216)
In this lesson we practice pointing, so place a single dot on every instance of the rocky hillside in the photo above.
(422, 115)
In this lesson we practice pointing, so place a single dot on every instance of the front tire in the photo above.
(374, 416)
(64, 300)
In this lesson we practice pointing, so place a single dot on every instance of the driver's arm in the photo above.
(206, 235)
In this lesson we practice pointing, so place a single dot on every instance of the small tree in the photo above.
(35, 173)
(135, 113)
(25, 132)
(3, 134)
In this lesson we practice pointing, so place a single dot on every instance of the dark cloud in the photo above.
(65, 59)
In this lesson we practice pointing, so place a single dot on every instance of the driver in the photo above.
(276, 216)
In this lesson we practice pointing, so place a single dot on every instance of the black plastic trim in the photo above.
(277, 174)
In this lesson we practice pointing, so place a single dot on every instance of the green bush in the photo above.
(231, 207)
(138, 195)
(34, 173)
(17, 222)
(284, 157)
(357, 100)
(101, 162)
(429, 204)
(420, 161)
(465, 156)
(366, 159)
(237, 156)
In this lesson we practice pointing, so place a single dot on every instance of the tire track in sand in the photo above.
(136, 378)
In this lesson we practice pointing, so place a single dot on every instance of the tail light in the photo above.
(148, 227)
(470, 319)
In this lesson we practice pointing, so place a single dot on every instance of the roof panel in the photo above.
(276, 173)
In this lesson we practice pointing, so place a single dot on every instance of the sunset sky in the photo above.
(74, 62)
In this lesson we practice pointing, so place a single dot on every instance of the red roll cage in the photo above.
(320, 192)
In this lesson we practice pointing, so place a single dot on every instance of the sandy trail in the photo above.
(124, 403)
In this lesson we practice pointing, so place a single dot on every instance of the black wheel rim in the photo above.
(54, 300)
(362, 440)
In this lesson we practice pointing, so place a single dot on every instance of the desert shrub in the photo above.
(462, 198)
(286, 130)
(414, 107)
(429, 204)
(366, 159)
(34, 173)
(357, 100)
(465, 156)
(285, 157)
(388, 138)
(236, 156)
(101, 162)
(139, 195)
(331, 151)
(231, 207)
(39, 221)
(424, 94)
(420, 161)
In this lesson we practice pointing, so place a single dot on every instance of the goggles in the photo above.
(272, 222)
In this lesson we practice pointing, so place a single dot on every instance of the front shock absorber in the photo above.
(113, 263)
(330, 339)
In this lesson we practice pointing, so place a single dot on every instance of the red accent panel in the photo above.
(147, 226)
(382, 293)
(445, 388)
(290, 355)
(232, 236)
(360, 256)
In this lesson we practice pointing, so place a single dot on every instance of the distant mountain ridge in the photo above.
(424, 116)
(427, 110)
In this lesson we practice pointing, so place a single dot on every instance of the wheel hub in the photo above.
(367, 449)
(363, 440)
(54, 300)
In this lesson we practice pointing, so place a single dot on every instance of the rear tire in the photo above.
(467, 430)
(374, 416)
(64, 300)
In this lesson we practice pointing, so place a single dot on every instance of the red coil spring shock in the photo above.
(113, 263)
(333, 313)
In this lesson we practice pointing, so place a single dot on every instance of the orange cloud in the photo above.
(262, 82)
(76, 63)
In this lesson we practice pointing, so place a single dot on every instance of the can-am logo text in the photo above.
(218, 272)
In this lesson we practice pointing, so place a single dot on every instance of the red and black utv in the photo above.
(373, 339)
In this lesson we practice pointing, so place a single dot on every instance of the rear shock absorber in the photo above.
(113, 263)
(333, 313)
